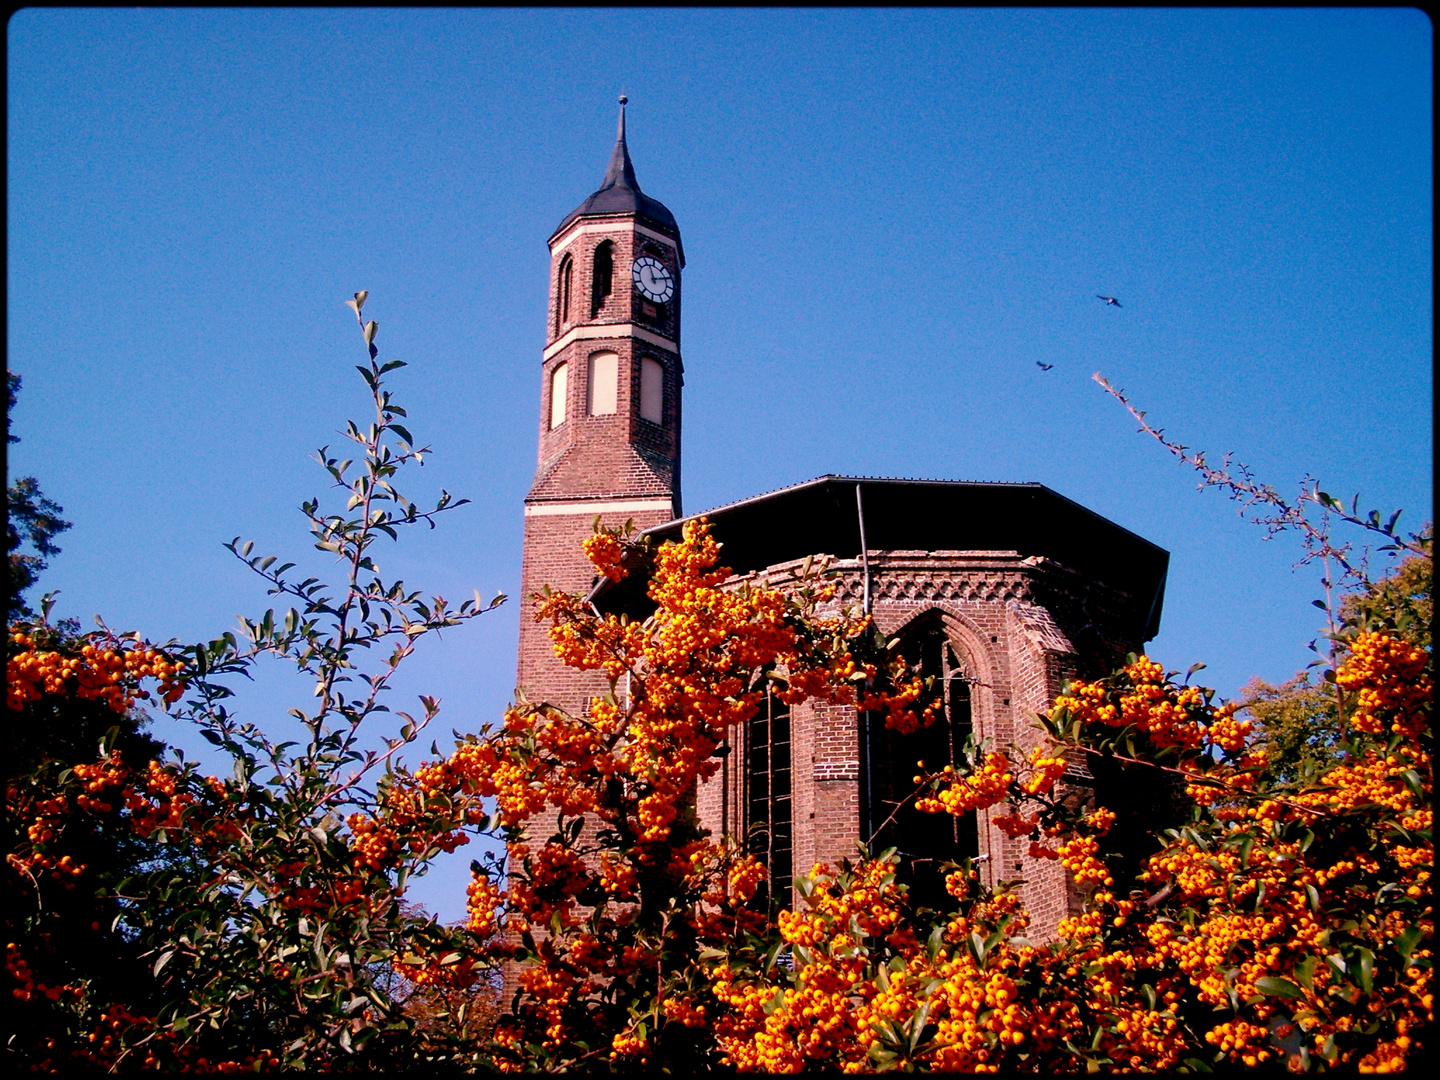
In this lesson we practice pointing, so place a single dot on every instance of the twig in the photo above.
(1243, 487)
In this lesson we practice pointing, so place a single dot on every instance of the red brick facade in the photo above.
(999, 613)
(1018, 626)
(620, 466)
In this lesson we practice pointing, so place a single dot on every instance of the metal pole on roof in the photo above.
(868, 741)
(864, 548)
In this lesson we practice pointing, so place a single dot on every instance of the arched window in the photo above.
(652, 391)
(558, 380)
(924, 841)
(604, 384)
(603, 278)
(562, 297)
(769, 821)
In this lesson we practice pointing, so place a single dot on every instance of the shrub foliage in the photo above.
(160, 917)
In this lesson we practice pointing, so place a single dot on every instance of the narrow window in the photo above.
(603, 278)
(925, 842)
(769, 822)
(558, 380)
(652, 391)
(562, 304)
(604, 383)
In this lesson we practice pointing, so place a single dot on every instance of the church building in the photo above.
(1001, 590)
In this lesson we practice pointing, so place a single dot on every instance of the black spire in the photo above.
(620, 172)
(619, 192)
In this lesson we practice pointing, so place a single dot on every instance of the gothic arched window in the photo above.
(562, 292)
(769, 821)
(602, 280)
(924, 841)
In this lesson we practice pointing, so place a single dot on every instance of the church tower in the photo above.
(610, 378)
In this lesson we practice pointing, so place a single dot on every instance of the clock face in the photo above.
(652, 279)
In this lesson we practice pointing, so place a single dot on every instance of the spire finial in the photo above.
(620, 170)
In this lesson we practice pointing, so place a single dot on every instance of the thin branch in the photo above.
(1268, 508)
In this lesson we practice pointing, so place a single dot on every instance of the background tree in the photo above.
(1401, 602)
(47, 738)
(269, 924)
(30, 518)
(1285, 919)
(1299, 725)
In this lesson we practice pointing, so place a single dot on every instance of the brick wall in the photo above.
(599, 459)
(1006, 617)
(1020, 627)
(588, 461)
(580, 242)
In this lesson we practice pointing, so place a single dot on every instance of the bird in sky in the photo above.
(1043, 367)
(1110, 301)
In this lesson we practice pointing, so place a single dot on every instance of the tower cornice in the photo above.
(596, 332)
(589, 225)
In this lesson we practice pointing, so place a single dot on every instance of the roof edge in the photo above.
(766, 496)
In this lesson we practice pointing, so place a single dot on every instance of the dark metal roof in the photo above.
(620, 193)
(819, 517)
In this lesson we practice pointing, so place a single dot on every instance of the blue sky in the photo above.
(889, 217)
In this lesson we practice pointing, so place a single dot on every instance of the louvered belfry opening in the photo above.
(602, 276)
(769, 820)
(924, 842)
(564, 281)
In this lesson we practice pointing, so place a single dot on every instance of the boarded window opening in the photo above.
(652, 391)
(604, 384)
(558, 379)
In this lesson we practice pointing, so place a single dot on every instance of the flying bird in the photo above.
(1043, 367)
(1110, 301)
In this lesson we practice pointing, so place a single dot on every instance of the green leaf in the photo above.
(1305, 972)
(978, 946)
(1413, 782)
(1277, 987)
(919, 1025)
(1405, 943)
(1367, 969)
